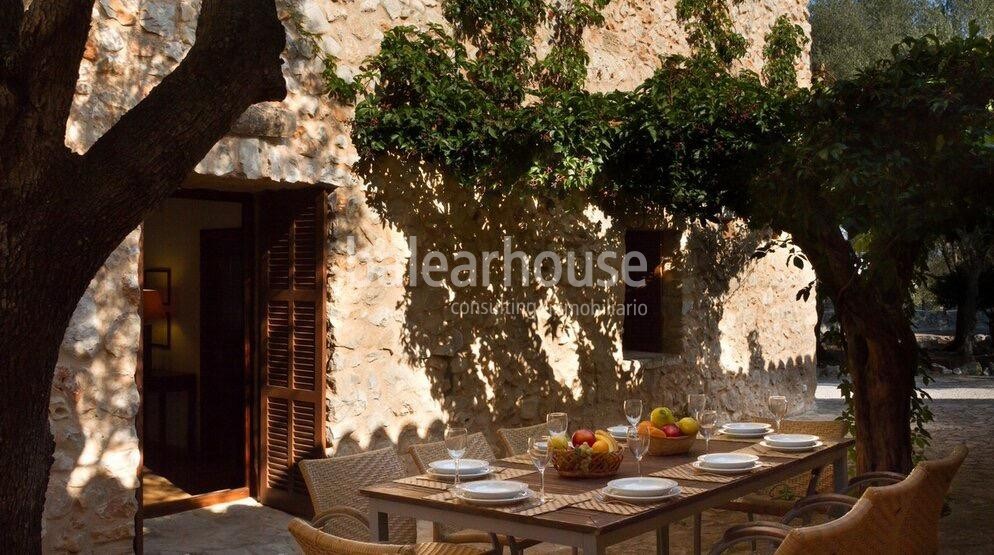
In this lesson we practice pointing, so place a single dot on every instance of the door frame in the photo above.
(250, 395)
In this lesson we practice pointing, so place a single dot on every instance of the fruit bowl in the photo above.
(573, 463)
(659, 446)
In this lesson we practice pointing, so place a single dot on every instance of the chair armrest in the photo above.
(868, 479)
(762, 531)
(819, 502)
(338, 511)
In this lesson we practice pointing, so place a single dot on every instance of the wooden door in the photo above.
(222, 359)
(292, 225)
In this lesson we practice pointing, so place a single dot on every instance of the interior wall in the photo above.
(172, 240)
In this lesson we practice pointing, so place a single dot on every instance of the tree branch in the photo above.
(234, 63)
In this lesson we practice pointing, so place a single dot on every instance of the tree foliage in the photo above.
(863, 172)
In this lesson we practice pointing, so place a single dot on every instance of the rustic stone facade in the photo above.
(401, 363)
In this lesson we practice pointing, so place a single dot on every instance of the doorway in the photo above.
(197, 378)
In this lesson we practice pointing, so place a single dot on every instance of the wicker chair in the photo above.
(902, 518)
(515, 440)
(315, 542)
(780, 498)
(427, 453)
(334, 484)
(477, 447)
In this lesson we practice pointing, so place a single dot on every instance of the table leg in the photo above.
(592, 546)
(378, 524)
(840, 472)
(697, 534)
(663, 540)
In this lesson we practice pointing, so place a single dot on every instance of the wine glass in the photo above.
(540, 458)
(638, 443)
(778, 406)
(557, 422)
(696, 402)
(455, 444)
(633, 411)
(707, 421)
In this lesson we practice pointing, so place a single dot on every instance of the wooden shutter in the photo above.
(292, 226)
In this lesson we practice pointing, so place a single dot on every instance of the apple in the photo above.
(672, 430)
(583, 436)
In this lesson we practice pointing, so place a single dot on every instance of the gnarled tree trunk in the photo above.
(966, 313)
(62, 214)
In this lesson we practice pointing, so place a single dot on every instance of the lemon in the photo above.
(688, 426)
(661, 416)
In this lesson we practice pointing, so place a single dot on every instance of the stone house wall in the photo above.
(401, 365)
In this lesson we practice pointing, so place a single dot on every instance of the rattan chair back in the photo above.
(336, 481)
(515, 440)
(315, 542)
(426, 453)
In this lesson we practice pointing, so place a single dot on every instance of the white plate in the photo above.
(728, 460)
(492, 489)
(480, 473)
(746, 427)
(448, 466)
(791, 440)
(791, 449)
(640, 487)
(699, 466)
(675, 492)
(747, 435)
(618, 432)
(523, 496)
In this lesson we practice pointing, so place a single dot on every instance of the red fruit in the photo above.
(583, 436)
(672, 430)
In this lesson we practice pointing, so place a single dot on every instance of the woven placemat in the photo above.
(532, 507)
(720, 436)
(599, 503)
(688, 472)
(762, 451)
(523, 458)
(427, 481)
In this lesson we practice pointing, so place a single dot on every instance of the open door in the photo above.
(292, 360)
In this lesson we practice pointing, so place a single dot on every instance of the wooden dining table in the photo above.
(592, 530)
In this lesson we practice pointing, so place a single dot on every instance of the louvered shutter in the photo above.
(293, 334)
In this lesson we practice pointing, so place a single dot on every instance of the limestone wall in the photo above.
(90, 505)
(400, 365)
(407, 359)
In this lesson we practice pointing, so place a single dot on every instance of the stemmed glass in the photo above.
(633, 411)
(540, 458)
(696, 402)
(455, 444)
(638, 443)
(557, 422)
(707, 421)
(778, 406)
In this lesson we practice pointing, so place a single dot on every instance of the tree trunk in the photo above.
(966, 314)
(881, 357)
(62, 214)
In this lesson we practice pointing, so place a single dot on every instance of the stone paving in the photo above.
(964, 412)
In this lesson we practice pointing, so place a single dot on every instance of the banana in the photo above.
(609, 439)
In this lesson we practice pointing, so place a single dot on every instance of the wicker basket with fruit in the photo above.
(667, 435)
(587, 455)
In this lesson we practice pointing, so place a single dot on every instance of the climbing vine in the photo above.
(889, 155)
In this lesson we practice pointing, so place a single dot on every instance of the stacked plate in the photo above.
(468, 469)
(494, 492)
(727, 463)
(747, 430)
(791, 442)
(618, 432)
(641, 490)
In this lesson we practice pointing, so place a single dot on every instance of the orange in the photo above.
(601, 446)
(653, 431)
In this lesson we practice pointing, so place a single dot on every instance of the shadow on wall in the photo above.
(538, 353)
(90, 504)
